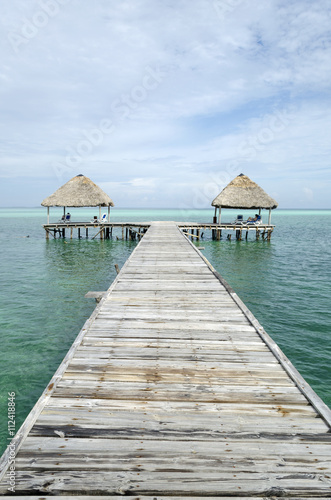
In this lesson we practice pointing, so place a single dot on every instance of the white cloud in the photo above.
(224, 78)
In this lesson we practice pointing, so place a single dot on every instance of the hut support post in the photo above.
(47, 215)
(214, 222)
(108, 213)
(99, 212)
(269, 222)
(219, 214)
(64, 212)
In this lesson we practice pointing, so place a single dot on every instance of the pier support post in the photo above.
(86, 232)
(122, 232)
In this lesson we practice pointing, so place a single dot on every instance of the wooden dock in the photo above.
(129, 230)
(135, 230)
(241, 231)
(172, 389)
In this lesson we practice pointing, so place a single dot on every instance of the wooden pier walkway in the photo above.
(134, 230)
(173, 389)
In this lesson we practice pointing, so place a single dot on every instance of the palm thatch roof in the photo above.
(80, 191)
(243, 193)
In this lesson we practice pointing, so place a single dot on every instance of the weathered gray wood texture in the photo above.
(171, 390)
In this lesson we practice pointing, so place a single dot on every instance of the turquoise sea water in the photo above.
(285, 283)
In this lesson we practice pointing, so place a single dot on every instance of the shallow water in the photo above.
(285, 283)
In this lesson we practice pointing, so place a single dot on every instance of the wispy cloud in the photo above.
(231, 66)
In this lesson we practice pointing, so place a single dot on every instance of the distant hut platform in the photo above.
(103, 230)
(244, 194)
(240, 231)
(135, 230)
(80, 191)
(241, 193)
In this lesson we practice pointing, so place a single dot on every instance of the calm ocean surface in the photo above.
(285, 283)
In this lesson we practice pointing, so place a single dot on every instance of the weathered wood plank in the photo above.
(179, 483)
(176, 392)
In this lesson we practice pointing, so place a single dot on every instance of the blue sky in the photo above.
(163, 102)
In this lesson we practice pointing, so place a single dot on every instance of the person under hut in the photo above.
(252, 220)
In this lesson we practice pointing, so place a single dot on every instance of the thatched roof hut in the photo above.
(80, 191)
(243, 193)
